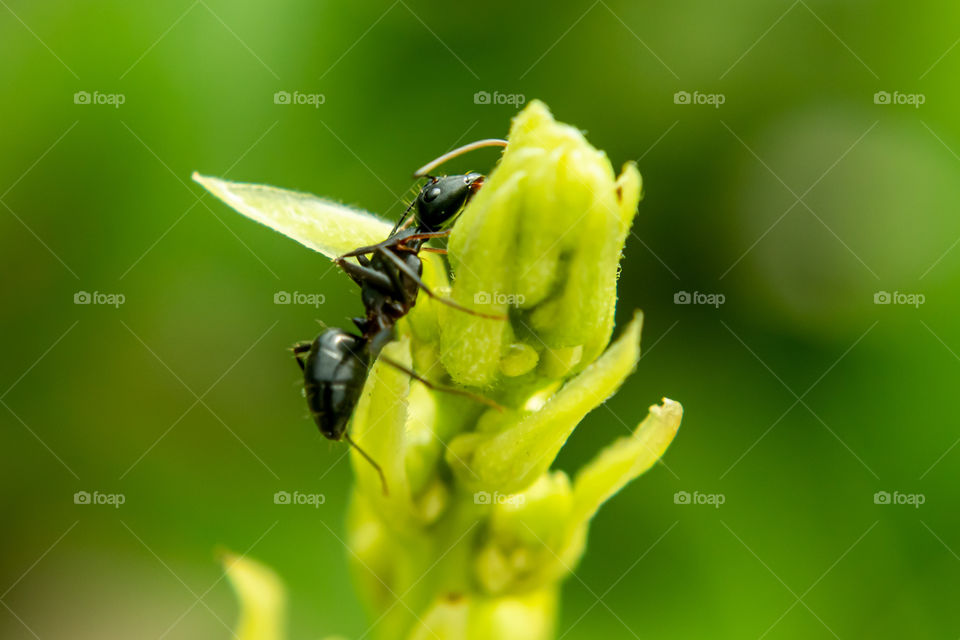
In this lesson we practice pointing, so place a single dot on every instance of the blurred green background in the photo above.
(798, 199)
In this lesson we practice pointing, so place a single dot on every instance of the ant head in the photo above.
(441, 199)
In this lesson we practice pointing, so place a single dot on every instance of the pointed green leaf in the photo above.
(325, 226)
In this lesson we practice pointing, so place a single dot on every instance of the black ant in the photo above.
(336, 364)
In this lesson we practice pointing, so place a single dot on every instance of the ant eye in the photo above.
(431, 194)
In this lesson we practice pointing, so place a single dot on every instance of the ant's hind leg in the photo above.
(460, 392)
(373, 463)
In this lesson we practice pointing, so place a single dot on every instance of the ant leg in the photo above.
(348, 266)
(390, 255)
(406, 212)
(299, 349)
(363, 274)
(364, 250)
(460, 392)
(425, 235)
(433, 250)
(383, 479)
(391, 241)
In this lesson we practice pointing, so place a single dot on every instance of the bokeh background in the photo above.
(797, 199)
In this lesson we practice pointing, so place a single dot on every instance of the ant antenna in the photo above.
(479, 144)
(383, 479)
(406, 213)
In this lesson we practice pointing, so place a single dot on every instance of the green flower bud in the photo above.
(541, 239)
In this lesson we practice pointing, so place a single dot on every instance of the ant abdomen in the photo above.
(333, 376)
